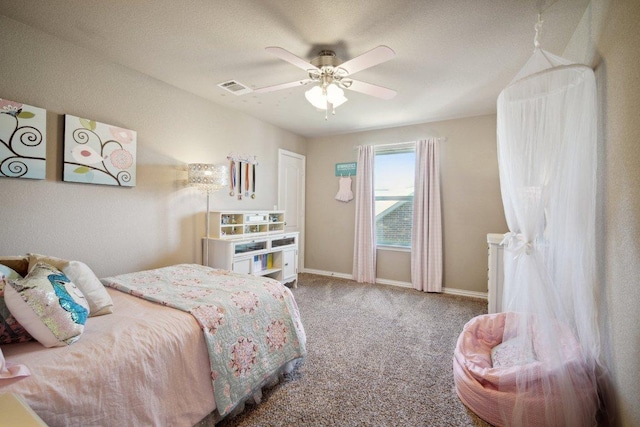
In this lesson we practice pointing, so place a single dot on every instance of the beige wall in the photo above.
(159, 221)
(608, 38)
(471, 201)
(117, 230)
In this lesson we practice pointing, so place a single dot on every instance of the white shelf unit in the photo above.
(495, 272)
(238, 224)
(271, 255)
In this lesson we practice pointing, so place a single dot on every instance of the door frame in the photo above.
(301, 241)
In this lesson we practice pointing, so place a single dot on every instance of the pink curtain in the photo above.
(426, 235)
(364, 245)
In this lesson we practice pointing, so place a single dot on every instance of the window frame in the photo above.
(390, 149)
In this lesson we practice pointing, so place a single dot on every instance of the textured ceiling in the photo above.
(452, 56)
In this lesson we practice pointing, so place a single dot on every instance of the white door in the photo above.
(291, 177)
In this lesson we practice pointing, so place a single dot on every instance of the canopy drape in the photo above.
(547, 138)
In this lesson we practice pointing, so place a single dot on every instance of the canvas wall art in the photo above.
(97, 153)
(23, 140)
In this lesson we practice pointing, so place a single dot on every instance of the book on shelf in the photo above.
(262, 262)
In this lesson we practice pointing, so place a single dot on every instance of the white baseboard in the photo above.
(328, 273)
(394, 283)
(465, 293)
(452, 291)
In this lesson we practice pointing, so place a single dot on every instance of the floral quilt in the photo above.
(251, 324)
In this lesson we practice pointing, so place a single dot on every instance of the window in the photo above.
(393, 188)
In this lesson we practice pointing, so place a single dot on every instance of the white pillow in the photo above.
(97, 296)
(48, 305)
(81, 275)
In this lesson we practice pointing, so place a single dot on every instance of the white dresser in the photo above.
(253, 243)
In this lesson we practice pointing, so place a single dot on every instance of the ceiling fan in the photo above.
(332, 75)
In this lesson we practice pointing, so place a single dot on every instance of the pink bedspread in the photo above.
(141, 365)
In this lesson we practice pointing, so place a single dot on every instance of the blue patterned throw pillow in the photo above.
(48, 305)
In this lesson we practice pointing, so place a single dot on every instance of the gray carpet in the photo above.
(376, 356)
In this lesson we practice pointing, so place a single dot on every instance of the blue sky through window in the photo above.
(394, 173)
(394, 187)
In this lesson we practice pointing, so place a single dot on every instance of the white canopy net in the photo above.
(547, 157)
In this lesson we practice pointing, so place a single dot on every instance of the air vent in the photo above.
(234, 87)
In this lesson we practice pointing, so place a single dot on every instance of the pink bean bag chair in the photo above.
(490, 391)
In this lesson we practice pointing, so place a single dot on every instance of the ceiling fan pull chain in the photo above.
(326, 100)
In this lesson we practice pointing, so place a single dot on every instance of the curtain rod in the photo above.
(439, 139)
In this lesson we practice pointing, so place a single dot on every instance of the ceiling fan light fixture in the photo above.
(320, 98)
(316, 98)
(332, 75)
(335, 95)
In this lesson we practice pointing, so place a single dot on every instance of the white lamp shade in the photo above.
(208, 177)
(334, 95)
(316, 98)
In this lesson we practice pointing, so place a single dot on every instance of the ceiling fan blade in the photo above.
(373, 90)
(283, 86)
(375, 56)
(291, 58)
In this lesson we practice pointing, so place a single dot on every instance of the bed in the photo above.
(148, 363)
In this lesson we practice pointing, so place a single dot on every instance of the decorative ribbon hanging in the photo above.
(239, 180)
(246, 180)
(232, 178)
(253, 183)
(242, 165)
